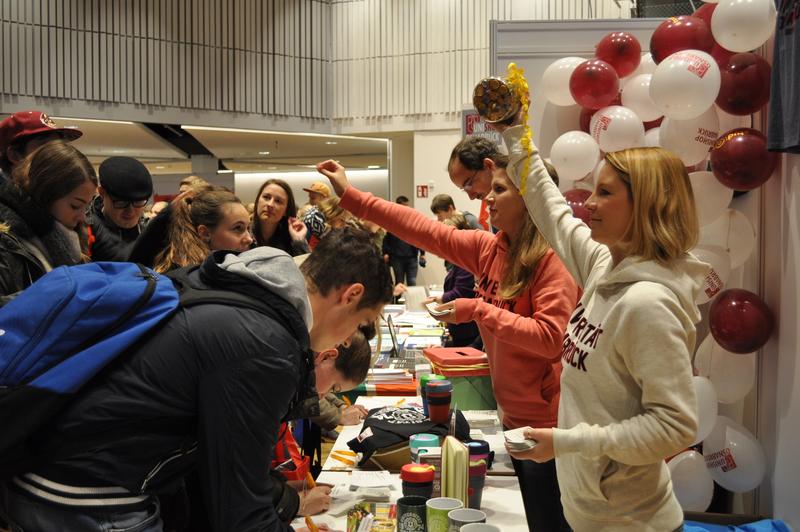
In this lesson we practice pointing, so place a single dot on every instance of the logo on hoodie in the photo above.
(579, 340)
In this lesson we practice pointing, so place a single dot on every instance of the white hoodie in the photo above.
(627, 398)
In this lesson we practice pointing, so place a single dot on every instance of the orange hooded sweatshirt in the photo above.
(521, 336)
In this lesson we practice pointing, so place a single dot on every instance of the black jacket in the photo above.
(209, 390)
(111, 243)
(21, 219)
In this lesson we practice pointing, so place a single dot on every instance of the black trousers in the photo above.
(540, 495)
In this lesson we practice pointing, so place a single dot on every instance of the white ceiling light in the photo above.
(263, 153)
(373, 166)
(224, 171)
(331, 142)
(288, 133)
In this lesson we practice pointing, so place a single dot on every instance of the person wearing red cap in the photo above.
(23, 132)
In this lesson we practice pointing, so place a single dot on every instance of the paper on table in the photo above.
(370, 479)
(415, 298)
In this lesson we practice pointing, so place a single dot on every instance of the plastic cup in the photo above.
(439, 395)
(423, 382)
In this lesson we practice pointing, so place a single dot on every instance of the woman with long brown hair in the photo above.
(275, 222)
(43, 214)
(525, 297)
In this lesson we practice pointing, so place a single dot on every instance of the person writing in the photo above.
(627, 397)
(525, 299)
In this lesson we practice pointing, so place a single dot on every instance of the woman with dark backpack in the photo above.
(43, 214)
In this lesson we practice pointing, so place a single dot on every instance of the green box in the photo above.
(472, 393)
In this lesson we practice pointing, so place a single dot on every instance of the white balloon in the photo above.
(574, 154)
(706, 407)
(717, 277)
(646, 65)
(691, 481)
(711, 197)
(710, 1)
(617, 128)
(555, 80)
(734, 457)
(636, 97)
(652, 137)
(743, 25)
(734, 233)
(691, 139)
(685, 84)
(732, 375)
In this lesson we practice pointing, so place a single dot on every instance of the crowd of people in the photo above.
(588, 330)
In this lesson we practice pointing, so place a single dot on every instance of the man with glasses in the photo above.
(471, 164)
(116, 222)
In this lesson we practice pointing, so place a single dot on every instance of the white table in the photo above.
(502, 501)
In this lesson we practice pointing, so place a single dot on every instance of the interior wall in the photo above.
(779, 399)
(431, 154)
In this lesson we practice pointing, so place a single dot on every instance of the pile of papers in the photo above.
(516, 440)
(389, 376)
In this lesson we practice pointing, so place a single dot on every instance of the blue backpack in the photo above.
(69, 325)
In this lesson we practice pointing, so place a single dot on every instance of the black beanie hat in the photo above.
(126, 178)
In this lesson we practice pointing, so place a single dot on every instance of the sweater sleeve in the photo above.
(462, 247)
(553, 296)
(548, 209)
(654, 345)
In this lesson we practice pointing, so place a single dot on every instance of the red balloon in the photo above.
(653, 123)
(594, 84)
(704, 13)
(621, 50)
(721, 55)
(740, 321)
(575, 199)
(740, 160)
(680, 33)
(745, 84)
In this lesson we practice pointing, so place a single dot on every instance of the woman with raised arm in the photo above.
(525, 297)
(627, 397)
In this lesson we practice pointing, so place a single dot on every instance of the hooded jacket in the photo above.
(207, 390)
(627, 398)
(522, 336)
(32, 242)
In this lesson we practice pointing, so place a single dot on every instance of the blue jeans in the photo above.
(405, 269)
(28, 514)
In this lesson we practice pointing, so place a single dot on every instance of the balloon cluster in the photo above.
(692, 93)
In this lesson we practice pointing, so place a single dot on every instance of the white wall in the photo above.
(779, 401)
(431, 154)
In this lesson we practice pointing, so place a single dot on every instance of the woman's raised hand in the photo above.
(336, 174)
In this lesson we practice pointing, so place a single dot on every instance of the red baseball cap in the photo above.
(28, 124)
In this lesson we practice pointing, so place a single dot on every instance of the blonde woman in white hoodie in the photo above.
(627, 399)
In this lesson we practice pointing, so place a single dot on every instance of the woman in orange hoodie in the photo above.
(525, 298)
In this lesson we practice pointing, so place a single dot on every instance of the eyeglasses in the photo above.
(467, 186)
(124, 204)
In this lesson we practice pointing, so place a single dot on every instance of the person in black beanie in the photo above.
(116, 221)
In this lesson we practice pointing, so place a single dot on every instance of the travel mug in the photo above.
(439, 395)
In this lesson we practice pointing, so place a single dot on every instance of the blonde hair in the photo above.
(664, 223)
(194, 181)
(333, 213)
(459, 221)
(524, 253)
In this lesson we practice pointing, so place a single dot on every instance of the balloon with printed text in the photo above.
(691, 481)
(740, 160)
(734, 457)
(685, 84)
(617, 128)
(740, 321)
